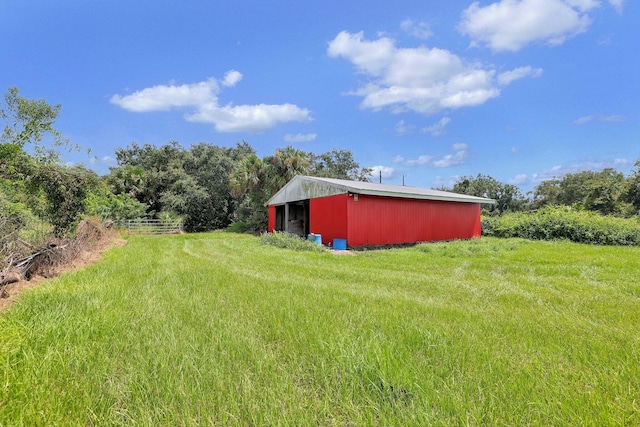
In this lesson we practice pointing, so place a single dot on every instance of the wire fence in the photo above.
(152, 226)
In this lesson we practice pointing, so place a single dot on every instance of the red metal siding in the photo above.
(385, 220)
(373, 220)
(272, 218)
(328, 217)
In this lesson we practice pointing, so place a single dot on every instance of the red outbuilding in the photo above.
(365, 213)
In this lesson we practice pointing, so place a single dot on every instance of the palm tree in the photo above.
(127, 179)
(284, 165)
(247, 176)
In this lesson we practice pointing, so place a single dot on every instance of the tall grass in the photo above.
(217, 329)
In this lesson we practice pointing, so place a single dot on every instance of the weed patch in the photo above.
(290, 241)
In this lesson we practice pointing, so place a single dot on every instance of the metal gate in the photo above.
(152, 226)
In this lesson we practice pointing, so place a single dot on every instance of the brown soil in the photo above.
(89, 254)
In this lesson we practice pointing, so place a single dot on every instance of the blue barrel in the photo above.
(317, 238)
(339, 244)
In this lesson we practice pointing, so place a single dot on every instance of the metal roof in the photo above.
(309, 187)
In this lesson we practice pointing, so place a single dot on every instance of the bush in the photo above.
(118, 207)
(566, 223)
(289, 241)
(239, 227)
(20, 229)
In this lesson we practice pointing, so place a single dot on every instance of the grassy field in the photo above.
(217, 329)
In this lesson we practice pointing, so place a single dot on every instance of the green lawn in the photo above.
(218, 329)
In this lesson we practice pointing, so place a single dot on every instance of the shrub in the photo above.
(20, 229)
(239, 227)
(115, 207)
(289, 241)
(170, 216)
(566, 223)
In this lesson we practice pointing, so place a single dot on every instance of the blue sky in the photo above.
(522, 90)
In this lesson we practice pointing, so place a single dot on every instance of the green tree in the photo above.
(54, 192)
(28, 122)
(631, 191)
(575, 187)
(103, 203)
(211, 167)
(548, 192)
(283, 165)
(603, 191)
(248, 182)
(191, 183)
(65, 190)
(149, 172)
(508, 197)
(253, 180)
(126, 179)
(339, 164)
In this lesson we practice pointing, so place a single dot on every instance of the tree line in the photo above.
(211, 187)
(607, 192)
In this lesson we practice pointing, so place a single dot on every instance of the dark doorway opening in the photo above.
(293, 218)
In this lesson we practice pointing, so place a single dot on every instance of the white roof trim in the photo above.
(308, 187)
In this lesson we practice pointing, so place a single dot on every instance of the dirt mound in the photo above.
(56, 256)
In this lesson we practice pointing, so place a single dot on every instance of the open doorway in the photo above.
(293, 218)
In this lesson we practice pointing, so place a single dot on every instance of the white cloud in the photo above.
(231, 78)
(163, 97)
(604, 41)
(618, 5)
(518, 73)
(299, 137)
(519, 179)
(370, 57)
(421, 79)
(612, 118)
(582, 120)
(202, 98)
(510, 25)
(605, 119)
(387, 172)
(455, 159)
(437, 129)
(459, 156)
(419, 161)
(248, 118)
(404, 129)
(420, 30)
